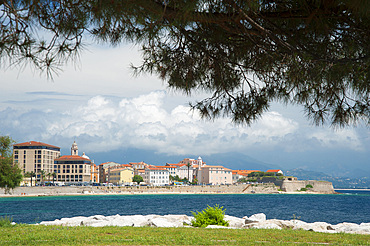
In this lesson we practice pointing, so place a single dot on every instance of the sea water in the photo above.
(333, 209)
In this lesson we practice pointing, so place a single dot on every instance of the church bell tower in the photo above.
(74, 148)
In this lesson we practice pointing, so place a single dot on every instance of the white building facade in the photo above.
(156, 176)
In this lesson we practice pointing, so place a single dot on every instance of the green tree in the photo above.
(137, 179)
(54, 176)
(33, 175)
(10, 173)
(49, 175)
(188, 165)
(42, 176)
(247, 54)
(30, 175)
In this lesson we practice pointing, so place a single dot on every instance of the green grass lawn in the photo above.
(59, 235)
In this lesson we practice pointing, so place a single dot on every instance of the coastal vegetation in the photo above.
(10, 174)
(6, 221)
(210, 216)
(23, 234)
(137, 179)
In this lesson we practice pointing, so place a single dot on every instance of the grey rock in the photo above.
(266, 225)
(255, 218)
(234, 221)
(164, 222)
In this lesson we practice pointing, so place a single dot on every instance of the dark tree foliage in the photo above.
(137, 179)
(10, 174)
(247, 54)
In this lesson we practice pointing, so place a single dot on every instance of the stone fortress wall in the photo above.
(324, 187)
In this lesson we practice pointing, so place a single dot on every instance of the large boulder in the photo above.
(165, 222)
(284, 224)
(255, 218)
(363, 228)
(266, 225)
(234, 221)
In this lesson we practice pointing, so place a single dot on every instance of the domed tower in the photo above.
(200, 162)
(85, 156)
(74, 148)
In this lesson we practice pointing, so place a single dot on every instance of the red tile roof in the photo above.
(273, 171)
(156, 169)
(71, 158)
(177, 165)
(34, 143)
(165, 167)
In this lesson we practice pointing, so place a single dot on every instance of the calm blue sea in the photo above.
(350, 207)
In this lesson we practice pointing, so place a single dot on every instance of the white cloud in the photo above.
(341, 138)
(104, 123)
(142, 122)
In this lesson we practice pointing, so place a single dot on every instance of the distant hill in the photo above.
(230, 160)
(338, 182)
(237, 161)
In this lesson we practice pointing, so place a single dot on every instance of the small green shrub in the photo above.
(309, 186)
(210, 216)
(303, 189)
(6, 221)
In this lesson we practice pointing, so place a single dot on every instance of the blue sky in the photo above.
(99, 103)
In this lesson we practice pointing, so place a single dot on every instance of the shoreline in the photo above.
(40, 191)
(365, 189)
(256, 221)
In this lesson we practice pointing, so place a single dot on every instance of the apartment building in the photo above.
(184, 171)
(156, 176)
(121, 176)
(214, 175)
(138, 165)
(73, 168)
(35, 157)
(172, 168)
(104, 169)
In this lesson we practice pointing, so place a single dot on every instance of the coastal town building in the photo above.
(185, 171)
(121, 176)
(275, 171)
(237, 175)
(172, 168)
(72, 168)
(35, 157)
(138, 165)
(140, 172)
(104, 169)
(156, 176)
(214, 175)
(189, 161)
(75, 168)
(95, 173)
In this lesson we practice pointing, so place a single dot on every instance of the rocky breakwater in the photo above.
(257, 221)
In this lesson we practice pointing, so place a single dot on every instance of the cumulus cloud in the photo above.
(103, 124)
